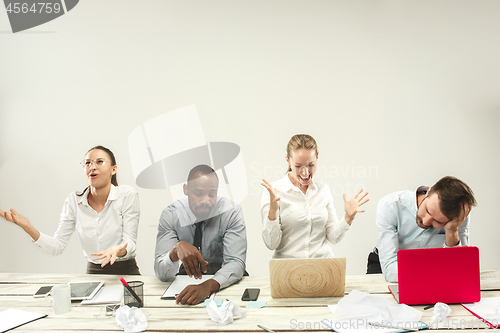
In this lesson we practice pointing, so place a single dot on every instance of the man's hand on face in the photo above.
(451, 228)
(194, 294)
(190, 257)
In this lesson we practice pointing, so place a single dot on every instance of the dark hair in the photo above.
(453, 195)
(203, 169)
(300, 141)
(114, 179)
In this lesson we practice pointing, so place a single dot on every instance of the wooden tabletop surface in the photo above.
(280, 315)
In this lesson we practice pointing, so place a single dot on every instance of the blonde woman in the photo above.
(298, 216)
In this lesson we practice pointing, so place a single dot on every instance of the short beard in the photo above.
(422, 225)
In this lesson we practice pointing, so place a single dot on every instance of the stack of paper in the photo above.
(13, 318)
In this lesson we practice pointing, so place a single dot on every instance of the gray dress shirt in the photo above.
(224, 240)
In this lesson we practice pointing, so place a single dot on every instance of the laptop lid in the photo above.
(448, 275)
(314, 277)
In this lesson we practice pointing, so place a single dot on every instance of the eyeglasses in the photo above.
(98, 163)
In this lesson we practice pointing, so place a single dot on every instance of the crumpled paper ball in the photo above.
(226, 313)
(131, 319)
(441, 311)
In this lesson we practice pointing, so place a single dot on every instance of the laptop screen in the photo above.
(448, 275)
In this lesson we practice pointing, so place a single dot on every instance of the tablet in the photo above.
(84, 290)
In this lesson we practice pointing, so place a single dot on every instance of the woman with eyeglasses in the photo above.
(298, 216)
(105, 214)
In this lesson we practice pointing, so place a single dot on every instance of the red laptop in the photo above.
(447, 275)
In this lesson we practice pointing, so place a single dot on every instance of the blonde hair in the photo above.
(300, 141)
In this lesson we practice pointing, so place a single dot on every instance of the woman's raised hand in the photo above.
(21, 221)
(16, 218)
(351, 207)
(274, 201)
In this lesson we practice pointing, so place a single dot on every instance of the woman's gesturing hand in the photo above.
(111, 254)
(274, 201)
(16, 218)
(21, 221)
(351, 207)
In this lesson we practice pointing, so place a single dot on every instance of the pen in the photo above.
(131, 291)
(385, 325)
(265, 329)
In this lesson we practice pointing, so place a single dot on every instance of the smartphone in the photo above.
(250, 294)
(43, 291)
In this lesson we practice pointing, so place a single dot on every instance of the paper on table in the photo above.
(332, 307)
(361, 303)
(487, 310)
(180, 282)
(13, 318)
(218, 302)
(256, 304)
(107, 295)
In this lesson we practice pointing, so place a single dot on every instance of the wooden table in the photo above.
(280, 315)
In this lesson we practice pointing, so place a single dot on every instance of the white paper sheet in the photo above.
(486, 309)
(107, 295)
(13, 318)
(180, 282)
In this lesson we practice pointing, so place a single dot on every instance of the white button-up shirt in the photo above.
(116, 224)
(306, 223)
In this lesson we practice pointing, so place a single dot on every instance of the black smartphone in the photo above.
(250, 294)
(43, 291)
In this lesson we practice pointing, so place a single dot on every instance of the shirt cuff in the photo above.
(165, 268)
(271, 233)
(168, 262)
(223, 281)
(43, 240)
(344, 226)
(459, 244)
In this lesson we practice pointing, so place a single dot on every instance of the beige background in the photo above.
(397, 94)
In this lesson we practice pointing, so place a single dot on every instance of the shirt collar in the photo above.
(113, 195)
(419, 190)
(188, 216)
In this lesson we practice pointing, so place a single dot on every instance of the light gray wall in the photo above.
(396, 93)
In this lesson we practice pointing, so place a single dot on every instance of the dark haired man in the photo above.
(206, 233)
(425, 218)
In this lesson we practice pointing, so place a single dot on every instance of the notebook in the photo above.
(180, 282)
(447, 275)
(315, 277)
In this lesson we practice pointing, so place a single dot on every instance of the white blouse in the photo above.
(116, 224)
(306, 223)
